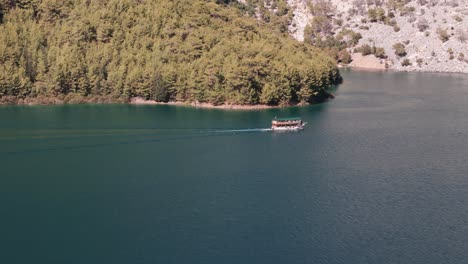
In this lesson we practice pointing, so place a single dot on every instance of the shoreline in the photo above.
(372, 63)
(136, 101)
(142, 101)
(73, 99)
(368, 69)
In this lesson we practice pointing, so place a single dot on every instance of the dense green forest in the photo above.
(182, 50)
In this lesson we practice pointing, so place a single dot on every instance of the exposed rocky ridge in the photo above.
(424, 46)
(302, 17)
(434, 33)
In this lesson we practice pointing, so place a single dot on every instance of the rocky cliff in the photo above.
(414, 35)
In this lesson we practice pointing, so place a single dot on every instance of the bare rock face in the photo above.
(302, 17)
(434, 32)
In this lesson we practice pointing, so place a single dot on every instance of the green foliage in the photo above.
(450, 52)
(350, 37)
(406, 62)
(419, 61)
(400, 50)
(320, 26)
(364, 49)
(461, 56)
(339, 22)
(405, 10)
(372, 15)
(443, 35)
(458, 18)
(206, 51)
(276, 13)
(336, 47)
(379, 52)
(396, 4)
(389, 21)
(344, 56)
(376, 15)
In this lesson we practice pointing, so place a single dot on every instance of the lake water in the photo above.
(379, 175)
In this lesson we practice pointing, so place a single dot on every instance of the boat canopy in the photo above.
(288, 119)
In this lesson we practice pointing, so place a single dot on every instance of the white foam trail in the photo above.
(243, 130)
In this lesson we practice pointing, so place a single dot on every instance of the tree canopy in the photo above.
(180, 50)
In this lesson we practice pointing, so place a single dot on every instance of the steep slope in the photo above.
(433, 34)
(183, 50)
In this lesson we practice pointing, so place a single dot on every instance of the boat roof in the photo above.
(288, 119)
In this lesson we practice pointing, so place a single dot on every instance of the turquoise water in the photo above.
(379, 175)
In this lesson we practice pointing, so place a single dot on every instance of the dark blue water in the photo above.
(379, 175)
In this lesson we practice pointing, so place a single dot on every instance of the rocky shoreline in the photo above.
(359, 66)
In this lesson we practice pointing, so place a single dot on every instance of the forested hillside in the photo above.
(182, 50)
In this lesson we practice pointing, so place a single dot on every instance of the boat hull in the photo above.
(289, 128)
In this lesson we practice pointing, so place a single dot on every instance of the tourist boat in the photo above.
(287, 124)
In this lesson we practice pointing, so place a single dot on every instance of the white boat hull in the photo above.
(289, 128)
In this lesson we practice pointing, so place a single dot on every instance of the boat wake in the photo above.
(243, 130)
(89, 139)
